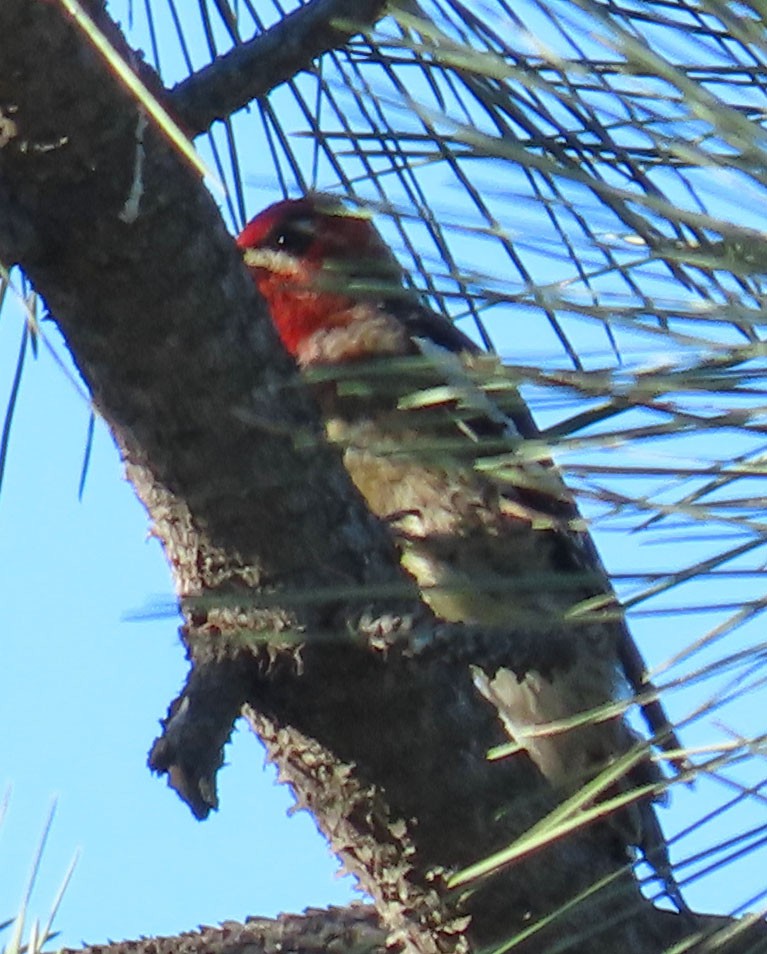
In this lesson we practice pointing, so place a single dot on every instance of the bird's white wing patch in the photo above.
(463, 389)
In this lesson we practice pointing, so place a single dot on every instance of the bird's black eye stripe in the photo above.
(294, 236)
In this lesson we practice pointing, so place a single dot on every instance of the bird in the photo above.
(491, 536)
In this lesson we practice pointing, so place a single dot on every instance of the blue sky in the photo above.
(91, 660)
(83, 685)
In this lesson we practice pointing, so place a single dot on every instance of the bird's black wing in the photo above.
(574, 550)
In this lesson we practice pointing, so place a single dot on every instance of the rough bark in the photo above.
(352, 930)
(294, 601)
(251, 69)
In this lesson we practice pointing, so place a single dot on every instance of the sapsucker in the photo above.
(490, 534)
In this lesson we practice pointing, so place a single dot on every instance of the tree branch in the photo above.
(217, 431)
(256, 67)
(218, 434)
(352, 930)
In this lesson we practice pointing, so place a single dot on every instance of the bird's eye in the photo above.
(295, 236)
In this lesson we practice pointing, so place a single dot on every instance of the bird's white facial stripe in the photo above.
(273, 260)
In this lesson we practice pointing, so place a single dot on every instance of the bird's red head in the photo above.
(322, 268)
